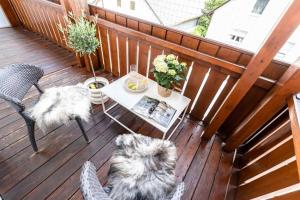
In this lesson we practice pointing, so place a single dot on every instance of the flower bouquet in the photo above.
(168, 72)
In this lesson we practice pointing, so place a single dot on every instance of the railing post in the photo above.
(77, 7)
(257, 65)
(275, 100)
(294, 111)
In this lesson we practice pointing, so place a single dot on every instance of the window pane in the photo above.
(132, 5)
(119, 3)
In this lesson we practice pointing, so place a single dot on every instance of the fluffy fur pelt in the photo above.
(142, 168)
(61, 104)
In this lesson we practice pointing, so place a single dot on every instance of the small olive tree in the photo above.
(81, 36)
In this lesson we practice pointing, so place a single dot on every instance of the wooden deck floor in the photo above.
(53, 173)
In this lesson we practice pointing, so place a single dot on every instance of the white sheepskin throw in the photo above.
(142, 168)
(60, 105)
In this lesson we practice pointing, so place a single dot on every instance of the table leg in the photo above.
(181, 119)
(103, 105)
(113, 118)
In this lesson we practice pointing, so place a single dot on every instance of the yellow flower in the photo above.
(183, 64)
(175, 62)
(170, 57)
(172, 72)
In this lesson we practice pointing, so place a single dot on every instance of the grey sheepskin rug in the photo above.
(61, 104)
(142, 168)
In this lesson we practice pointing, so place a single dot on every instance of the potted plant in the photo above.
(168, 72)
(81, 37)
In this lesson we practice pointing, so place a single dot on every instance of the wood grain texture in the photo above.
(278, 155)
(274, 101)
(256, 67)
(294, 112)
(283, 177)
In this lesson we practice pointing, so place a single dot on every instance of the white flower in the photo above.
(170, 57)
(161, 67)
(172, 72)
(161, 58)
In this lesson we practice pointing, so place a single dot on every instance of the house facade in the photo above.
(247, 23)
(178, 14)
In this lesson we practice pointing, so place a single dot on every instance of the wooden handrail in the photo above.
(175, 47)
(281, 33)
(51, 5)
(185, 34)
(294, 111)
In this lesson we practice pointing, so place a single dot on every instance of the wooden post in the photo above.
(281, 33)
(294, 111)
(275, 100)
(10, 12)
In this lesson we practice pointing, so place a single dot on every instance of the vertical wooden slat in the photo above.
(132, 45)
(20, 4)
(29, 15)
(52, 24)
(230, 83)
(113, 50)
(46, 21)
(277, 154)
(294, 112)
(55, 23)
(282, 177)
(18, 11)
(279, 134)
(103, 32)
(211, 87)
(32, 10)
(63, 36)
(41, 21)
(143, 57)
(193, 85)
(122, 54)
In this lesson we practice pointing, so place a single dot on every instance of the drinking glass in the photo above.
(133, 68)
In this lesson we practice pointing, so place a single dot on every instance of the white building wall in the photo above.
(237, 15)
(3, 19)
(141, 11)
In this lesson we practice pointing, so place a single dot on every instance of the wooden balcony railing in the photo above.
(214, 68)
(270, 165)
(41, 17)
(269, 142)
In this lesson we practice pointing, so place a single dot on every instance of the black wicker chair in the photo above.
(15, 81)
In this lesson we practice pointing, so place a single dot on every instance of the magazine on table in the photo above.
(157, 110)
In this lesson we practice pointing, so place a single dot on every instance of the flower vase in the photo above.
(164, 92)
